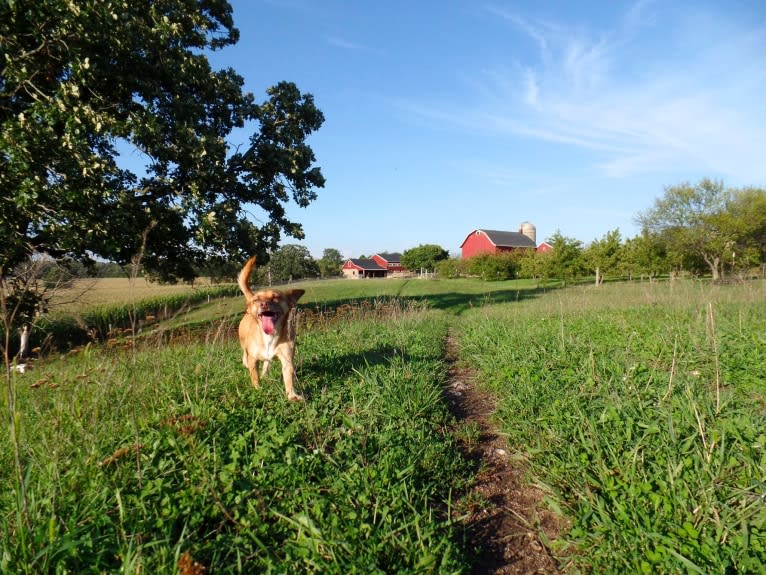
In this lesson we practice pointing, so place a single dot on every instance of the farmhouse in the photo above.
(496, 241)
(363, 268)
(545, 247)
(392, 262)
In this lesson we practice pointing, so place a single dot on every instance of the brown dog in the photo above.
(266, 330)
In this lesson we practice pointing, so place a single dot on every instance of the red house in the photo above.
(495, 241)
(363, 268)
(392, 262)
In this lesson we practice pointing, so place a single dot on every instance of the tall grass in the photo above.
(642, 408)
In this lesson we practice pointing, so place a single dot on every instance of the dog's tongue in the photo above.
(267, 324)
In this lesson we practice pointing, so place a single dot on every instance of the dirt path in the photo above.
(504, 515)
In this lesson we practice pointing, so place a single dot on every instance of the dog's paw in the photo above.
(295, 397)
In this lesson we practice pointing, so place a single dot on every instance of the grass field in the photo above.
(641, 409)
(85, 293)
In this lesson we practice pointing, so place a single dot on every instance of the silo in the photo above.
(529, 230)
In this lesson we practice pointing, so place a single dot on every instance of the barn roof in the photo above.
(367, 265)
(390, 257)
(505, 239)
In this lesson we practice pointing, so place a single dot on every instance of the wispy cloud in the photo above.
(343, 44)
(533, 30)
(586, 64)
(696, 103)
(532, 90)
(640, 14)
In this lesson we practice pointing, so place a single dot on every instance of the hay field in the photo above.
(89, 292)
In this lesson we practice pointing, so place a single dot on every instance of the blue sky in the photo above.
(446, 116)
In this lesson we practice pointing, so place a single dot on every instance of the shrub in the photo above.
(494, 267)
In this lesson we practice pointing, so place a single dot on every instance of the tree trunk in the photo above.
(24, 346)
(715, 268)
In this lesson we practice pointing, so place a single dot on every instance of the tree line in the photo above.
(702, 229)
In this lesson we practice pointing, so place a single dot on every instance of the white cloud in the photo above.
(535, 32)
(532, 90)
(696, 105)
(343, 44)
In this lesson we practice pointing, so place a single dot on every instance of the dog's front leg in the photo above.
(254, 379)
(252, 366)
(288, 375)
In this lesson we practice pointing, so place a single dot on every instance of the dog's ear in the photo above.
(293, 295)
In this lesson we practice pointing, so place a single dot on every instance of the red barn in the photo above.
(495, 241)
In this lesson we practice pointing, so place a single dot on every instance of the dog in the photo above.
(267, 330)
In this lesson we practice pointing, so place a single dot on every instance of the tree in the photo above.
(695, 223)
(748, 209)
(82, 81)
(425, 256)
(603, 256)
(292, 262)
(533, 264)
(644, 254)
(451, 268)
(331, 263)
(494, 267)
(565, 259)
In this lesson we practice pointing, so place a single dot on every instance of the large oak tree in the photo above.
(84, 81)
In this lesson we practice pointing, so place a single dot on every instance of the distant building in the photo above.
(392, 262)
(363, 268)
(496, 241)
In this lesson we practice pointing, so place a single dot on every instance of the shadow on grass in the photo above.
(318, 368)
(455, 302)
(380, 306)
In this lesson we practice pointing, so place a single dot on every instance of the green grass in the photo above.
(132, 460)
(642, 408)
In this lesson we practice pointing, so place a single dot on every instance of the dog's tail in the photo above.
(244, 277)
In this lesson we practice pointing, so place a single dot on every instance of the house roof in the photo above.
(366, 265)
(393, 258)
(503, 239)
